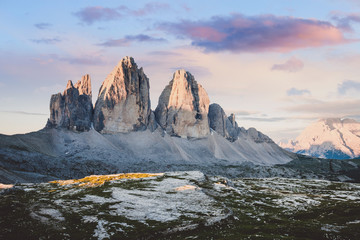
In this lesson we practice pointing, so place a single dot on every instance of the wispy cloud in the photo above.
(291, 65)
(344, 20)
(42, 25)
(89, 15)
(327, 109)
(263, 119)
(78, 60)
(348, 85)
(297, 92)
(164, 53)
(25, 113)
(238, 33)
(196, 71)
(127, 40)
(46, 40)
(149, 8)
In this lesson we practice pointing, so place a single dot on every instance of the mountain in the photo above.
(328, 138)
(123, 134)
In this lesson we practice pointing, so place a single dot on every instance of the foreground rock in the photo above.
(73, 109)
(123, 104)
(183, 107)
(180, 205)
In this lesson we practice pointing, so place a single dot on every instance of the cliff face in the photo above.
(72, 109)
(123, 104)
(183, 107)
(223, 125)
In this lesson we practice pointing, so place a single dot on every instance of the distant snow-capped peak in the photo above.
(328, 138)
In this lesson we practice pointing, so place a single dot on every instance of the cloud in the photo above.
(81, 60)
(149, 8)
(42, 26)
(25, 113)
(239, 33)
(196, 71)
(297, 92)
(127, 40)
(164, 53)
(260, 119)
(89, 15)
(291, 65)
(348, 85)
(46, 40)
(327, 109)
(344, 21)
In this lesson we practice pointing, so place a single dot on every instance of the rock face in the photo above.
(123, 104)
(73, 109)
(183, 107)
(220, 123)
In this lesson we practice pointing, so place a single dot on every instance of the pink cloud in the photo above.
(238, 33)
(291, 65)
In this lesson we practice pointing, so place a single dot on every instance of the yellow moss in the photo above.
(98, 180)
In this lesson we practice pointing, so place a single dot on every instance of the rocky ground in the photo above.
(181, 205)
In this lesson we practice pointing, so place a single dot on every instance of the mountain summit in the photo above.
(328, 138)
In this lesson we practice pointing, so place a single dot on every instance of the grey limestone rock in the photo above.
(152, 122)
(217, 119)
(183, 107)
(73, 109)
(123, 104)
(220, 123)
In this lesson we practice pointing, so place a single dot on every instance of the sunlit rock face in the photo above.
(183, 107)
(73, 109)
(123, 104)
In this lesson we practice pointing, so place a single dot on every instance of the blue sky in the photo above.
(279, 65)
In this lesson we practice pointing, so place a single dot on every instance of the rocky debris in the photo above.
(123, 104)
(183, 107)
(73, 109)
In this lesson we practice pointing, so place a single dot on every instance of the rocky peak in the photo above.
(69, 85)
(72, 109)
(328, 138)
(233, 121)
(84, 85)
(123, 103)
(220, 123)
(183, 107)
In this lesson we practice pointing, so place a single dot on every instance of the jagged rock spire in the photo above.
(73, 109)
(183, 107)
(123, 103)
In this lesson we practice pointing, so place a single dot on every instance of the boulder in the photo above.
(183, 107)
(73, 109)
(123, 104)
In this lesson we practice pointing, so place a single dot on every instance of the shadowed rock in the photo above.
(183, 107)
(123, 104)
(220, 123)
(73, 109)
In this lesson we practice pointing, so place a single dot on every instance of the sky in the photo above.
(278, 65)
